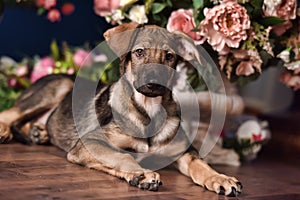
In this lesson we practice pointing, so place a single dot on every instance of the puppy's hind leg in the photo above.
(34, 107)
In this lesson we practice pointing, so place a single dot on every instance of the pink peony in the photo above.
(42, 68)
(53, 15)
(225, 26)
(105, 7)
(183, 20)
(81, 57)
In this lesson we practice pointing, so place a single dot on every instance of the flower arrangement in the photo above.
(244, 37)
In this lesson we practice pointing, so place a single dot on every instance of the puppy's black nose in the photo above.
(153, 86)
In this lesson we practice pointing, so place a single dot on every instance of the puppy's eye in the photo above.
(169, 57)
(139, 52)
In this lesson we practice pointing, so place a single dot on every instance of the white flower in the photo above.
(284, 55)
(252, 130)
(269, 7)
(293, 65)
(117, 16)
(138, 14)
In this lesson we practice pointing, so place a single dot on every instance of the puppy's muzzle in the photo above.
(153, 80)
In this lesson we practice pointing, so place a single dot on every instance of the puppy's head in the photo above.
(149, 55)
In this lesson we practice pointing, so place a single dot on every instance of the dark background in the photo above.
(24, 33)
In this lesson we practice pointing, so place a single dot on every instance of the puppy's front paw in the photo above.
(5, 134)
(224, 185)
(148, 181)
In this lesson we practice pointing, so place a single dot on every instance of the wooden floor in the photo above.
(42, 172)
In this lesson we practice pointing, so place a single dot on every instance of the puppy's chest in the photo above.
(126, 139)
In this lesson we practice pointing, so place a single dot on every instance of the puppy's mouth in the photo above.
(153, 80)
(152, 90)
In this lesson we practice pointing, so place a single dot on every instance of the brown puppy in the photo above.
(125, 127)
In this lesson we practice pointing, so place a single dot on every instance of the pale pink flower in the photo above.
(284, 9)
(48, 4)
(105, 7)
(250, 63)
(81, 57)
(53, 15)
(225, 26)
(245, 68)
(42, 68)
(22, 71)
(247, 62)
(182, 20)
(290, 80)
(71, 70)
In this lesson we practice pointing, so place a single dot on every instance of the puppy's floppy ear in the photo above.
(186, 48)
(120, 37)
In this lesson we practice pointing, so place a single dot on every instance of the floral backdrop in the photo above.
(244, 38)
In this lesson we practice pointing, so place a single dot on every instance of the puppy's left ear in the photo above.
(186, 48)
(120, 37)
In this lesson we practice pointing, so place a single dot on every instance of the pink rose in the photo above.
(53, 15)
(225, 26)
(81, 57)
(105, 7)
(42, 68)
(183, 20)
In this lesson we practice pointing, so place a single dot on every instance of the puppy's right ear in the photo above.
(120, 37)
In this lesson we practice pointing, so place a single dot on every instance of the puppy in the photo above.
(127, 129)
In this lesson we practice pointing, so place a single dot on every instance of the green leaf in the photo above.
(158, 7)
(41, 10)
(257, 4)
(271, 21)
(54, 50)
(198, 4)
